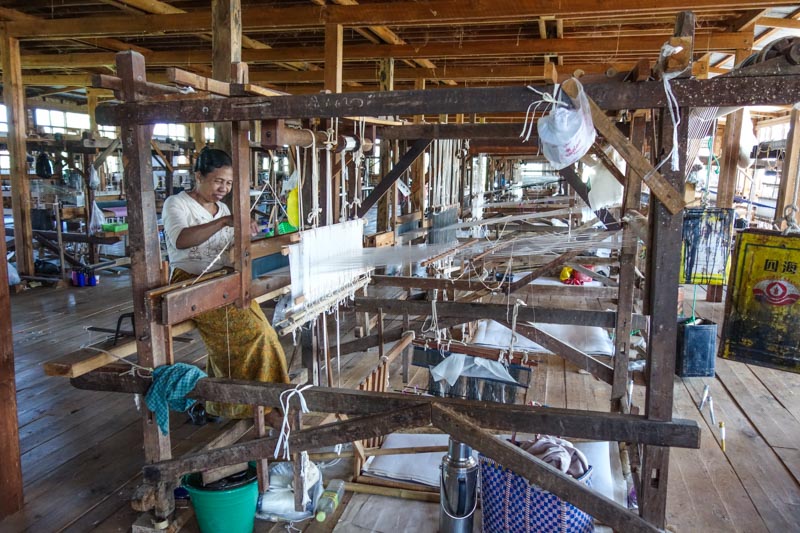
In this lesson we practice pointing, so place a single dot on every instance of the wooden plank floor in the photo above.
(81, 451)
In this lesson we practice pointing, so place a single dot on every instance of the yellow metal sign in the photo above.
(762, 324)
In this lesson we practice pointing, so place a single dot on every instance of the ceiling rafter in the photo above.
(440, 12)
(601, 47)
(162, 8)
(386, 35)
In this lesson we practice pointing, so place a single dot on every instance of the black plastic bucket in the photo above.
(697, 349)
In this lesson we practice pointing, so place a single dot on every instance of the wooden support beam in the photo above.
(660, 188)
(183, 304)
(394, 174)
(145, 251)
(789, 170)
(581, 360)
(201, 83)
(11, 472)
(729, 168)
(575, 423)
(226, 49)
(664, 265)
(240, 198)
(477, 311)
(334, 42)
(467, 430)
(612, 95)
(14, 98)
(307, 439)
(627, 276)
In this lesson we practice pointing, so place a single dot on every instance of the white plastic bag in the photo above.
(13, 275)
(97, 220)
(566, 133)
(94, 178)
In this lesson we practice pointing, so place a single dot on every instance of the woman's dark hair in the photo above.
(211, 159)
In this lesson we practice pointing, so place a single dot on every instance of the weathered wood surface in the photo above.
(11, 476)
(477, 311)
(303, 440)
(575, 423)
(145, 248)
(716, 92)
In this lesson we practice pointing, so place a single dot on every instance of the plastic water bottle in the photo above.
(330, 499)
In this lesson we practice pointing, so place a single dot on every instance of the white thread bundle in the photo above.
(309, 259)
(286, 427)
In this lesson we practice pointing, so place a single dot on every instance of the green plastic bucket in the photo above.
(226, 506)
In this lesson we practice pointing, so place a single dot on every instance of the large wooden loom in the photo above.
(163, 312)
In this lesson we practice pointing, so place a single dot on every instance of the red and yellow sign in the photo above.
(762, 324)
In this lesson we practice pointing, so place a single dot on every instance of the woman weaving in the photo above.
(197, 228)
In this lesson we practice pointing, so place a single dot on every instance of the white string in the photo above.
(286, 427)
(548, 99)
(313, 216)
(338, 353)
(514, 327)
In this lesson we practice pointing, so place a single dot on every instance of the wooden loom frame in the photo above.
(158, 312)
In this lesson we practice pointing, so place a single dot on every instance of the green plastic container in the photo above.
(226, 506)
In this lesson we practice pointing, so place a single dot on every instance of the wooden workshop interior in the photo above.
(483, 227)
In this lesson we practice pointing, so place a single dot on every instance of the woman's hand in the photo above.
(253, 227)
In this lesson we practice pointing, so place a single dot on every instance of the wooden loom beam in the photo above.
(394, 174)
(611, 95)
(576, 423)
(476, 311)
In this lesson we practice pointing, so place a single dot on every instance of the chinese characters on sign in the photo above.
(788, 267)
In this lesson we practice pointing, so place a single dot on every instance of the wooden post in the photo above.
(729, 169)
(91, 106)
(386, 82)
(241, 208)
(14, 98)
(11, 472)
(226, 48)
(664, 258)
(334, 39)
(627, 276)
(789, 170)
(418, 170)
(145, 251)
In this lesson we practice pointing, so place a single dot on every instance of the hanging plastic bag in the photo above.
(94, 179)
(566, 133)
(97, 220)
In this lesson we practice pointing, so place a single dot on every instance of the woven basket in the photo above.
(511, 504)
